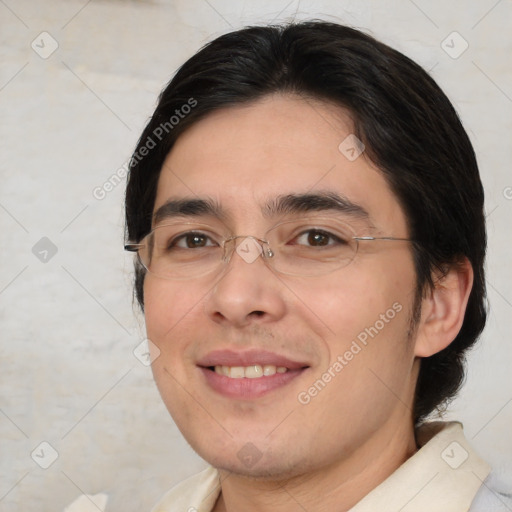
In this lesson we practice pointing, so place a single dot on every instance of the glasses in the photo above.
(299, 247)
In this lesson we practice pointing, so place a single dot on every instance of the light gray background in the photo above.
(68, 122)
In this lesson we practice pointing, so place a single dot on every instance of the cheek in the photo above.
(353, 299)
(171, 311)
(367, 310)
(167, 304)
(370, 359)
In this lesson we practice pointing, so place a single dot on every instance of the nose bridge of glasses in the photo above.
(248, 247)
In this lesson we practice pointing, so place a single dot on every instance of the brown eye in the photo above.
(195, 241)
(317, 238)
(192, 241)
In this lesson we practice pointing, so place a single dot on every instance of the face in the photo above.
(342, 336)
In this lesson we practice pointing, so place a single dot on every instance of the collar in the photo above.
(444, 474)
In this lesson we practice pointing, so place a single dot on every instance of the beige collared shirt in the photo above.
(444, 475)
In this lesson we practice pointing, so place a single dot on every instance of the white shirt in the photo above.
(444, 475)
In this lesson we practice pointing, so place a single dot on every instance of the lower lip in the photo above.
(248, 388)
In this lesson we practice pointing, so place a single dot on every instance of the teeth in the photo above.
(237, 372)
(269, 369)
(254, 371)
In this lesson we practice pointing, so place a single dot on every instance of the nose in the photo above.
(248, 248)
(248, 291)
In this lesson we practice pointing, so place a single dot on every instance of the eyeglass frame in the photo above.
(265, 253)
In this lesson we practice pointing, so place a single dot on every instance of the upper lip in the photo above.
(248, 358)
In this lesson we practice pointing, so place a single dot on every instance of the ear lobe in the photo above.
(443, 309)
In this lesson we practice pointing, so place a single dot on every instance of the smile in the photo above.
(254, 371)
(248, 374)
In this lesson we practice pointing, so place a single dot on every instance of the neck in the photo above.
(338, 486)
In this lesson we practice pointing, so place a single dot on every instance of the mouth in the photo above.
(255, 371)
(247, 375)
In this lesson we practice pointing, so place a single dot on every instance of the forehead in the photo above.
(242, 157)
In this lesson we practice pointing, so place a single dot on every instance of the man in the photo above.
(308, 217)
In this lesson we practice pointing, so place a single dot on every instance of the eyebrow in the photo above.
(281, 205)
(310, 202)
(188, 207)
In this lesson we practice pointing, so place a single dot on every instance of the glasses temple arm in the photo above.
(132, 247)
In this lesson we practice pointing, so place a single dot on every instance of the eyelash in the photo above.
(333, 238)
(174, 242)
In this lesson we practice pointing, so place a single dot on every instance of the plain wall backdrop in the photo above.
(78, 80)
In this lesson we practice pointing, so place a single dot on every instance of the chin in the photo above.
(250, 462)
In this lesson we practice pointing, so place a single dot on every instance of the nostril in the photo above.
(257, 313)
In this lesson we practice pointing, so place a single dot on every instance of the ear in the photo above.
(443, 309)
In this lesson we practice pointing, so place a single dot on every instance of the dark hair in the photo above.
(409, 127)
